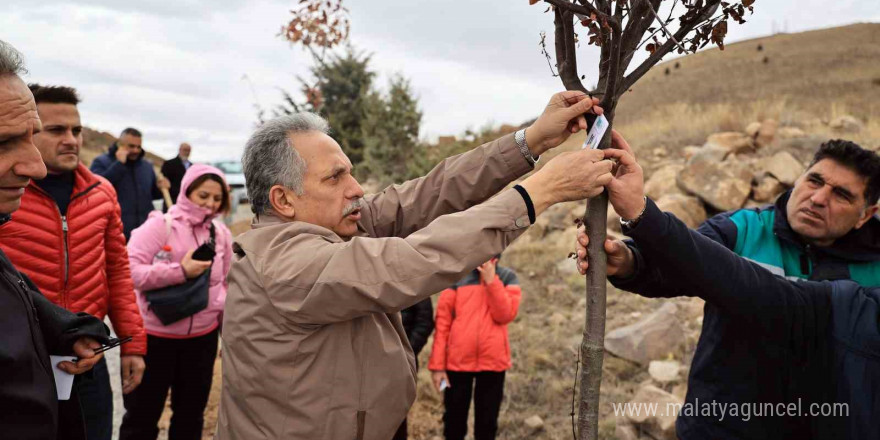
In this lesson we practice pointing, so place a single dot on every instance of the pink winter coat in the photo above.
(189, 229)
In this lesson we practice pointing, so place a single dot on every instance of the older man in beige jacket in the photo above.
(313, 346)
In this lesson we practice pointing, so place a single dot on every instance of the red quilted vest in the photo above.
(79, 261)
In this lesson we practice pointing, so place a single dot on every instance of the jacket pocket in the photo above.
(361, 423)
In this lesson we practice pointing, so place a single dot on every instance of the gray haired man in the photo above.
(313, 346)
(32, 327)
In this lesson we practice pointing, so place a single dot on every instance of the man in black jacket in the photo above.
(823, 229)
(32, 327)
(830, 327)
(174, 169)
(418, 322)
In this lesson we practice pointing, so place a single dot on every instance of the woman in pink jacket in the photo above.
(180, 355)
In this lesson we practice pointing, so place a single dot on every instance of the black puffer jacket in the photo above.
(32, 328)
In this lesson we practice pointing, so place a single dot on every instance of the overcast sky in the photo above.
(175, 68)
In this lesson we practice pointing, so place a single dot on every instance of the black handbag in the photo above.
(173, 303)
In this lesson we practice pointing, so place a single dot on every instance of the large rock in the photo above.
(688, 209)
(790, 132)
(767, 189)
(713, 182)
(753, 128)
(624, 430)
(740, 167)
(732, 141)
(766, 133)
(784, 167)
(654, 337)
(660, 424)
(710, 153)
(689, 151)
(664, 371)
(663, 182)
(534, 422)
(846, 123)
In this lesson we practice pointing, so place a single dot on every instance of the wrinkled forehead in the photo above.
(18, 111)
(839, 175)
(320, 152)
(15, 97)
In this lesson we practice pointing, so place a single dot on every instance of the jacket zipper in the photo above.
(805, 260)
(64, 233)
(24, 294)
(483, 293)
(65, 250)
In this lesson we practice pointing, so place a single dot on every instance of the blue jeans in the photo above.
(96, 400)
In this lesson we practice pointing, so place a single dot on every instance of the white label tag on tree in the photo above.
(596, 133)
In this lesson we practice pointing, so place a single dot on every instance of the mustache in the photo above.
(355, 205)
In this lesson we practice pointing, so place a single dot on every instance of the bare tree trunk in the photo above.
(619, 41)
(593, 343)
(592, 351)
(595, 222)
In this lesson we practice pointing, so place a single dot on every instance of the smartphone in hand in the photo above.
(205, 252)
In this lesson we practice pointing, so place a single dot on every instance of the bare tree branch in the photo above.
(609, 101)
(566, 55)
(663, 26)
(585, 9)
(543, 44)
(666, 47)
(639, 22)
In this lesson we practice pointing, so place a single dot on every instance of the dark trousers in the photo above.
(96, 400)
(186, 366)
(487, 395)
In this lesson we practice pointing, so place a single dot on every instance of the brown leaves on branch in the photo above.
(719, 31)
(691, 13)
(317, 24)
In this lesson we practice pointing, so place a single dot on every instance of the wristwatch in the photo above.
(629, 224)
(520, 138)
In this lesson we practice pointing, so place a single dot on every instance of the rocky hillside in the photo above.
(709, 142)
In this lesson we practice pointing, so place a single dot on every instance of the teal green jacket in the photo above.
(732, 362)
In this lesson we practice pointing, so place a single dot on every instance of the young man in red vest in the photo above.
(67, 237)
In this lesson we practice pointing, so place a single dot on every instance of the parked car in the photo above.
(234, 177)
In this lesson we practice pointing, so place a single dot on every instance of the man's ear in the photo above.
(282, 201)
(869, 212)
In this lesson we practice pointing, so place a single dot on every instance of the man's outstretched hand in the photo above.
(563, 116)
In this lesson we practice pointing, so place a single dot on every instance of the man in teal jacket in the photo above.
(823, 229)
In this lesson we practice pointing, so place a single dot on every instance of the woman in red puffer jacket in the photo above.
(471, 349)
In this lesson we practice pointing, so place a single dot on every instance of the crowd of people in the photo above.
(325, 303)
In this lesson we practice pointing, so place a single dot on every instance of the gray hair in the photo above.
(11, 60)
(269, 158)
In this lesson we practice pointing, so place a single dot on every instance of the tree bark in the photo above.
(592, 350)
